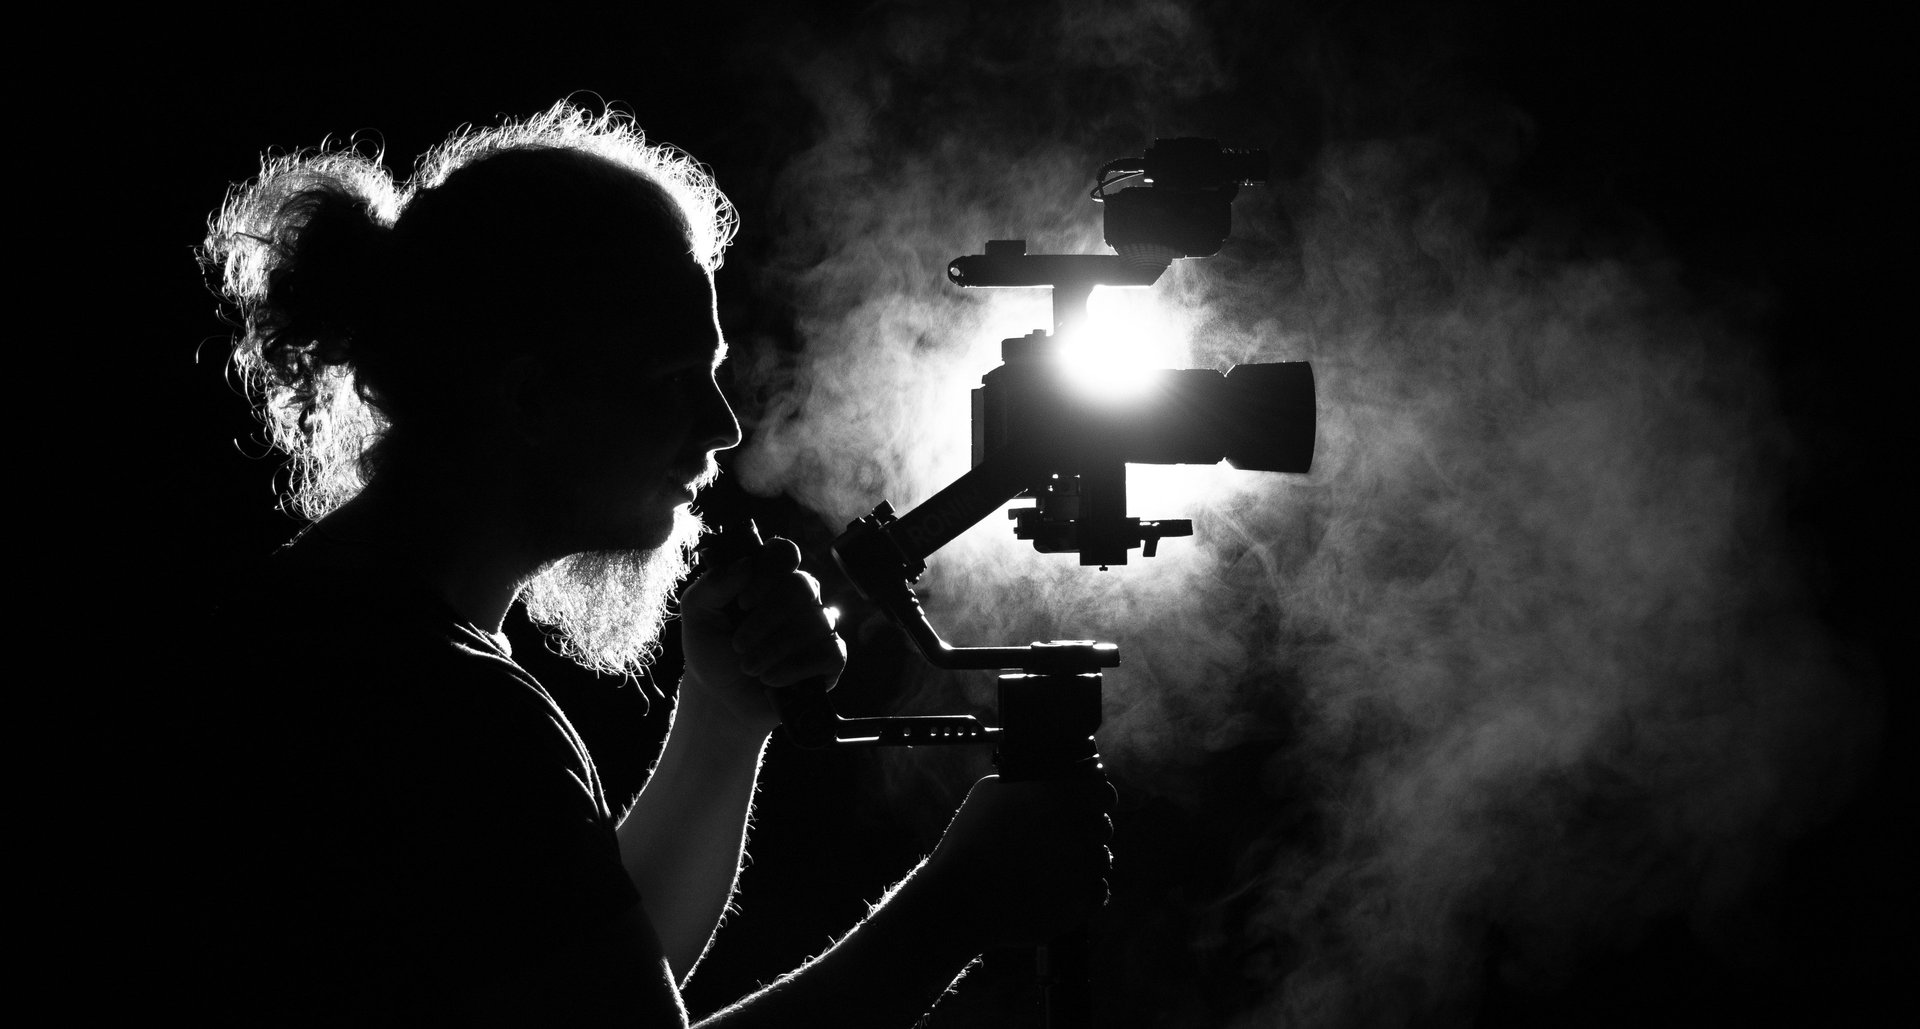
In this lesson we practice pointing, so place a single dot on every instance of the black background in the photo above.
(1760, 147)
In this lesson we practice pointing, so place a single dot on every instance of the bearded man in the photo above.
(497, 383)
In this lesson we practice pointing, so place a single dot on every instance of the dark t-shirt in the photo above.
(403, 827)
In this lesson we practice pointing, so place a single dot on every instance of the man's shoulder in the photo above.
(319, 647)
(346, 680)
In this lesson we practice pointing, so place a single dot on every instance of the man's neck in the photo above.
(466, 549)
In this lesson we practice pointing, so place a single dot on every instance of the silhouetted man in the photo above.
(497, 383)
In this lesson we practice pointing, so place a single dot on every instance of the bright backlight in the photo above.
(1124, 339)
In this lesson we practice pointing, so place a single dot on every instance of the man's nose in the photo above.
(722, 429)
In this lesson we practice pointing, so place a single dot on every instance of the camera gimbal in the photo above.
(1034, 436)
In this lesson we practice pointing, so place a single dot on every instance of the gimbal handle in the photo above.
(871, 559)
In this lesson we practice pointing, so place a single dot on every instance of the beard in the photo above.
(604, 610)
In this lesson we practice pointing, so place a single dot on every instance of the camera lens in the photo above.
(1267, 421)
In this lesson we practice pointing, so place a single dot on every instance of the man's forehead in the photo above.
(684, 299)
(679, 277)
(657, 314)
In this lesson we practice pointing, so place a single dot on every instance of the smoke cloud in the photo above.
(1521, 667)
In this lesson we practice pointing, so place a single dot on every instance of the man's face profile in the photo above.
(637, 418)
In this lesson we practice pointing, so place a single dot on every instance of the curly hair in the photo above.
(361, 300)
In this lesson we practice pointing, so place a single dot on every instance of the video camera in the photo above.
(1072, 447)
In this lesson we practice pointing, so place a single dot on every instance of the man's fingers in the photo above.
(774, 566)
(824, 662)
(753, 579)
(805, 651)
(720, 587)
(769, 633)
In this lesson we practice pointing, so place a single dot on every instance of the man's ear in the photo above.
(523, 391)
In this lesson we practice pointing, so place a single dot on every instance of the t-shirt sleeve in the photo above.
(502, 833)
(509, 782)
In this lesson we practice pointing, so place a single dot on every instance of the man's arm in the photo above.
(753, 626)
(1021, 863)
(682, 842)
(888, 972)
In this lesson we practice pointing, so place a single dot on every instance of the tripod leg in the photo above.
(1047, 733)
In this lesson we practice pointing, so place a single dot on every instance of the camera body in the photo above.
(1072, 447)
(1256, 417)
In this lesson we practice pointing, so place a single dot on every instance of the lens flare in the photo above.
(1124, 337)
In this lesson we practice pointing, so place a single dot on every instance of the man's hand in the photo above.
(756, 625)
(1025, 861)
